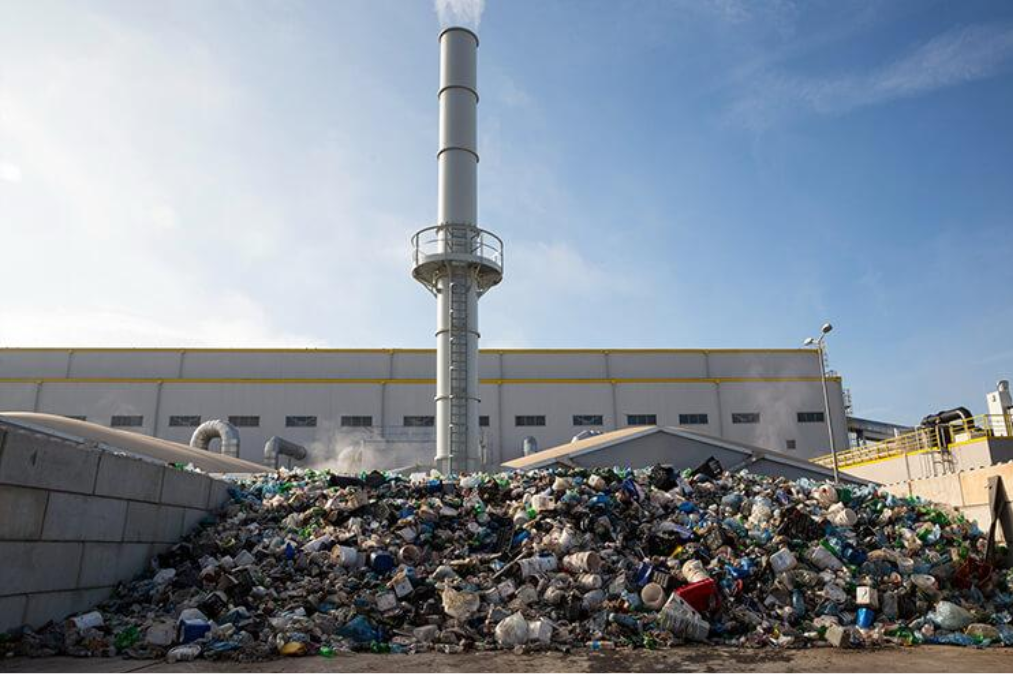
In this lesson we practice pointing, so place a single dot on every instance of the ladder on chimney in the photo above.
(461, 288)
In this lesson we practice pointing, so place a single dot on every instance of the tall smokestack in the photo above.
(456, 260)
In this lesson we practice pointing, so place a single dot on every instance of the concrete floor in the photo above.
(932, 659)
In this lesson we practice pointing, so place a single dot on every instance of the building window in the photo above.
(126, 421)
(183, 421)
(641, 419)
(810, 417)
(485, 421)
(693, 418)
(76, 417)
(746, 418)
(357, 421)
(244, 421)
(790, 444)
(586, 421)
(531, 421)
(300, 421)
(418, 421)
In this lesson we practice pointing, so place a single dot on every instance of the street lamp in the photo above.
(819, 343)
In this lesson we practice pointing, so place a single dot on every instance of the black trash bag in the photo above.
(799, 525)
(663, 477)
(343, 481)
(375, 479)
(710, 468)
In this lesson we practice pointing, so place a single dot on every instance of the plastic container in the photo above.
(702, 595)
(542, 503)
(540, 564)
(88, 620)
(582, 562)
(926, 583)
(694, 572)
(824, 559)
(653, 596)
(382, 562)
(192, 629)
(541, 631)
(867, 596)
(949, 616)
(682, 620)
(184, 653)
(783, 560)
(512, 631)
(865, 617)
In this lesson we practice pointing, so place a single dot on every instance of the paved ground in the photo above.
(930, 659)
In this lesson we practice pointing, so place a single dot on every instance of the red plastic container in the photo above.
(702, 595)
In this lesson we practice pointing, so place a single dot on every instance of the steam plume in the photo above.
(459, 13)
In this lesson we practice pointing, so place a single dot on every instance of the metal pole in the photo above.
(828, 414)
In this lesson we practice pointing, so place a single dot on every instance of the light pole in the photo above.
(819, 343)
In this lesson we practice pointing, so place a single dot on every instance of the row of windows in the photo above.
(632, 419)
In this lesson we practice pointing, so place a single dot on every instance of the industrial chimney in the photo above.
(457, 260)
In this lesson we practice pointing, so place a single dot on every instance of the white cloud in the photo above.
(957, 56)
(9, 172)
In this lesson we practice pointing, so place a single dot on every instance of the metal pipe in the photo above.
(230, 440)
(277, 447)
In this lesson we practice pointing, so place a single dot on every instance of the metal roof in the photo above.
(567, 454)
(140, 445)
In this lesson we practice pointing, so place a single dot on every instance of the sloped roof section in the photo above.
(756, 459)
(140, 445)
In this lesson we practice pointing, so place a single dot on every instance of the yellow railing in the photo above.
(925, 439)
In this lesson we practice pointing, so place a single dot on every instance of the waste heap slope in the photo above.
(310, 562)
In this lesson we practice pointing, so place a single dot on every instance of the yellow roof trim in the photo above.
(416, 381)
(386, 350)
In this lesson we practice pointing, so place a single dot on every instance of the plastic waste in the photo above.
(950, 616)
(512, 631)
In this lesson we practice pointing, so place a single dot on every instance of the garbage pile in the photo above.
(310, 562)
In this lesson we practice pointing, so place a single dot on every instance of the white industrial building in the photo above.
(382, 401)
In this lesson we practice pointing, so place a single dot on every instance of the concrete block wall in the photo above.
(75, 521)
(966, 491)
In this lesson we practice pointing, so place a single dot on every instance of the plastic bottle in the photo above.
(183, 653)
(599, 645)
(88, 620)
(783, 560)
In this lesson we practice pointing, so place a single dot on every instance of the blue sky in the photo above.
(688, 173)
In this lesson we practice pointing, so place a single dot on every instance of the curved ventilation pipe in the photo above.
(530, 446)
(277, 447)
(586, 434)
(230, 441)
(943, 417)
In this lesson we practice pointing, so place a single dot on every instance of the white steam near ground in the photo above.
(459, 13)
(343, 452)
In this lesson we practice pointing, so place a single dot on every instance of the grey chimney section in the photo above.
(457, 260)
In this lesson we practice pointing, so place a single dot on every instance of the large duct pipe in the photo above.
(277, 447)
(950, 416)
(230, 440)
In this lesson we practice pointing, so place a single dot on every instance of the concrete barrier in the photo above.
(966, 491)
(77, 520)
